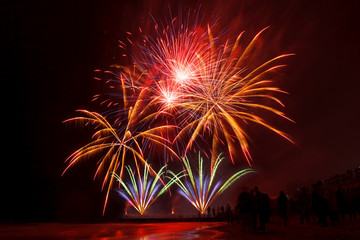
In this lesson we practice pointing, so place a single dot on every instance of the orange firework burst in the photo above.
(113, 144)
(224, 102)
(183, 85)
(209, 86)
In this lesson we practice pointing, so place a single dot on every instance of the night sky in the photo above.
(49, 52)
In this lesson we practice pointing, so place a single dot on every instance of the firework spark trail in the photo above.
(113, 146)
(141, 193)
(201, 189)
(217, 92)
(203, 86)
(129, 129)
(184, 86)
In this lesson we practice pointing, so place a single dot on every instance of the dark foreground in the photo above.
(179, 230)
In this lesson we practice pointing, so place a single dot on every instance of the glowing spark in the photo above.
(141, 193)
(201, 190)
(188, 83)
(181, 76)
(169, 97)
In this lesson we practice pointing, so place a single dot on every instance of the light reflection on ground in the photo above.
(348, 229)
(109, 231)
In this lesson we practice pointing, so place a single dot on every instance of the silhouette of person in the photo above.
(209, 212)
(267, 207)
(245, 210)
(357, 201)
(304, 202)
(262, 204)
(218, 211)
(213, 212)
(333, 207)
(320, 203)
(228, 214)
(341, 202)
(349, 201)
(282, 203)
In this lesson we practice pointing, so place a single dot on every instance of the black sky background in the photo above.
(50, 49)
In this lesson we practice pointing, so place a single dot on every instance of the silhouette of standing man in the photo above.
(261, 208)
(282, 202)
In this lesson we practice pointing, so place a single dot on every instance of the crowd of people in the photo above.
(253, 209)
(332, 205)
(317, 205)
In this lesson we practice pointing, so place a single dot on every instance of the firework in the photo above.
(185, 87)
(127, 126)
(206, 85)
(143, 191)
(231, 94)
(112, 146)
(201, 189)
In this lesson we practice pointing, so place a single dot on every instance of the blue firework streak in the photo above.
(143, 190)
(185, 89)
(201, 189)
